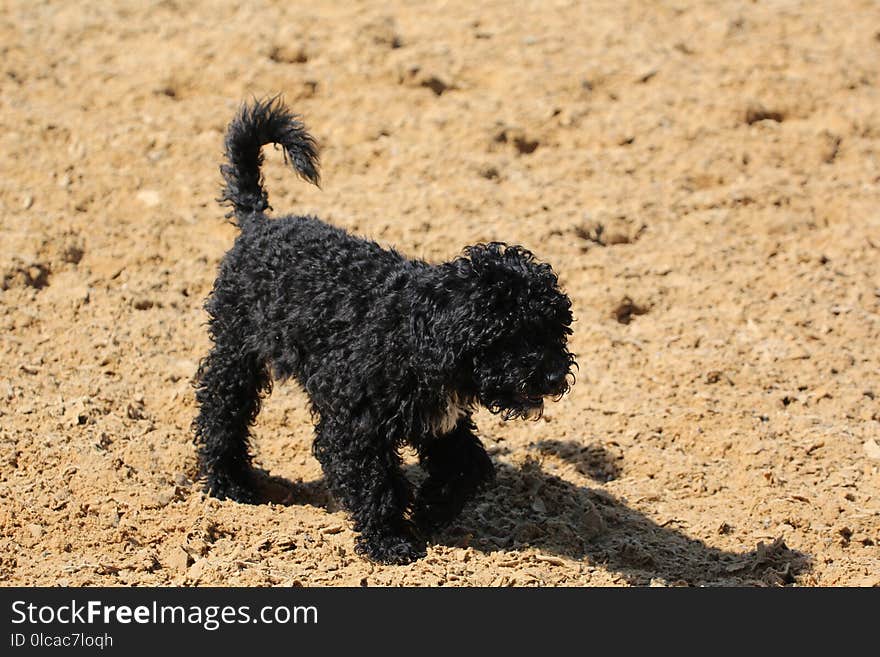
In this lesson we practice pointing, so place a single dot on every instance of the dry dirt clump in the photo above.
(703, 176)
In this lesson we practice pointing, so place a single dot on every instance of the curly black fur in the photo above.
(391, 351)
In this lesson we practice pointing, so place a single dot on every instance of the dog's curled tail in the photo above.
(263, 122)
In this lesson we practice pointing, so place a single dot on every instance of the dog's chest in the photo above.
(448, 417)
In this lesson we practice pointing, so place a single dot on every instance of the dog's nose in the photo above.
(556, 377)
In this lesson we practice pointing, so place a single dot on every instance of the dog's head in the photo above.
(511, 322)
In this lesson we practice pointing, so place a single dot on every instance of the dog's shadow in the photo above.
(527, 507)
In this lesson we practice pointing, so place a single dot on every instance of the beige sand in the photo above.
(704, 176)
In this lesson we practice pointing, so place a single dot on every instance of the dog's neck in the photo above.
(441, 322)
(449, 415)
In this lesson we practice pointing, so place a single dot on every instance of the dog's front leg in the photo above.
(229, 387)
(363, 471)
(457, 465)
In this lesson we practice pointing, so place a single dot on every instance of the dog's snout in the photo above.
(556, 376)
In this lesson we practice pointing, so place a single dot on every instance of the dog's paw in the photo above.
(393, 549)
(485, 469)
(440, 502)
(434, 512)
(240, 489)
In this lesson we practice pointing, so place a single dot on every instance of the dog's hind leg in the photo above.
(230, 385)
(364, 474)
(457, 465)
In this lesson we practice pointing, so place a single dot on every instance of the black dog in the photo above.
(391, 351)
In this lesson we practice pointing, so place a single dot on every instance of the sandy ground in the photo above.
(703, 176)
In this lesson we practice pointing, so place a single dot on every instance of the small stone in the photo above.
(182, 368)
(289, 53)
(626, 309)
(591, 523)
(523, 143)
(872, 449)
(757, 112)
(539, 506)
(382, 32)
(489, 172)
(647, 75)
(135, 410)
(436, 84)
(149, 197)
(72, 253)
(165, 497)
(553, 561)
(197, 569)
(76, 414)
(527, 532)
(635, 555)
(178, 560)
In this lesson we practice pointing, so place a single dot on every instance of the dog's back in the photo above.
(302, 290)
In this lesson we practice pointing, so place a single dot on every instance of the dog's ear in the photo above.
(518, 286)
(453, 313)
(497, 280)
(483, 295)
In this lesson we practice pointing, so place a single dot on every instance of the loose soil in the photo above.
(703, 176)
